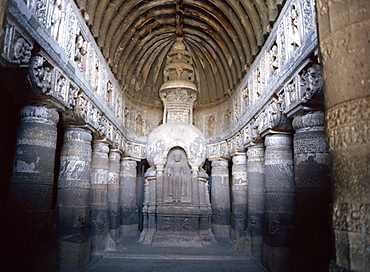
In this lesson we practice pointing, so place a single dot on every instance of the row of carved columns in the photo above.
(96, 193)
(272, 197)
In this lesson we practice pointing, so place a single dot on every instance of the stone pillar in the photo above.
(129, 217)
(279, 209)
(73, 207)
(99, 195)
(220, 198)
(31, 189)
(312, 251)
(344, 46)
(113, 192)
(239, 189)
(256, 198)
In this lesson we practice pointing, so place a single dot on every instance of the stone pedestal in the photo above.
(345, 50)
(113, 192)
(220, 198)
(129, 217)
(256, 197)
(280, 202)
(73, 200)
(31, 189)
(312, 248)
(239, 190)
(99, 195)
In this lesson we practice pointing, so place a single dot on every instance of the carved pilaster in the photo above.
(256, 197)
(127, 199)
(73, 199)
(220, 198)
(280, 202)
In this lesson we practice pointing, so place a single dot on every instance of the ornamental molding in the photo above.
(17, 45)
(284, 81)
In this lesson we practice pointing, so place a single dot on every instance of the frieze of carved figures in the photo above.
(311, 83)
(281, 41)
(273, 58)
(308, 16)
(81, 48)
(17, 46)
(135, 150)
(235, 144)
(60, 89)
(218, 150)
(269, 117)
(294, 27)
(40, 74)
(236, 108)
(291, 92)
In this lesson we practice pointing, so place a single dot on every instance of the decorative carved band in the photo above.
(348, 123)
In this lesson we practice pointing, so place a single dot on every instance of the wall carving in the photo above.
(344, 119)
(269, 91)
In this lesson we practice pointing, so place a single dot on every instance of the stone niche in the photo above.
(177, 209)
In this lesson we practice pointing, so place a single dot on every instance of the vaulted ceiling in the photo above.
(223, 36)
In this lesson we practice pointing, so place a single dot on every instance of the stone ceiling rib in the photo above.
(223, 37)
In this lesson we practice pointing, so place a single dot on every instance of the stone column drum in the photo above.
(239, 190)
(344, 46)
(280, 202)
(129, 217)
(31, 188)
(73, 207)
(220, 198)
(256, 198)
(99, 195)
(113, 192)
(312, 249)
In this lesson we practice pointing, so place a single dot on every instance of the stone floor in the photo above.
(145, 258)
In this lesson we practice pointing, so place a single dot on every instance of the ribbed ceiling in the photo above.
(223, 37)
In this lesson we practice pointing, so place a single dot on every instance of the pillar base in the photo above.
(277, 259)
(129, 229)
(73, 256)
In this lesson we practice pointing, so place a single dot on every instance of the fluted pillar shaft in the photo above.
(99, 195)
(256, 197)
(129, 217)
(73, 207)
(113, 192)
(31, 187)
(220, 198)
(280, 201)
(239, 191)
(312, 250)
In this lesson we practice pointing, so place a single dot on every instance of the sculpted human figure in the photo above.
(175, 174)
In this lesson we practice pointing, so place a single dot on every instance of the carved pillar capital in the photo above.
(240, 158)
(309, 122)
(40, 114)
